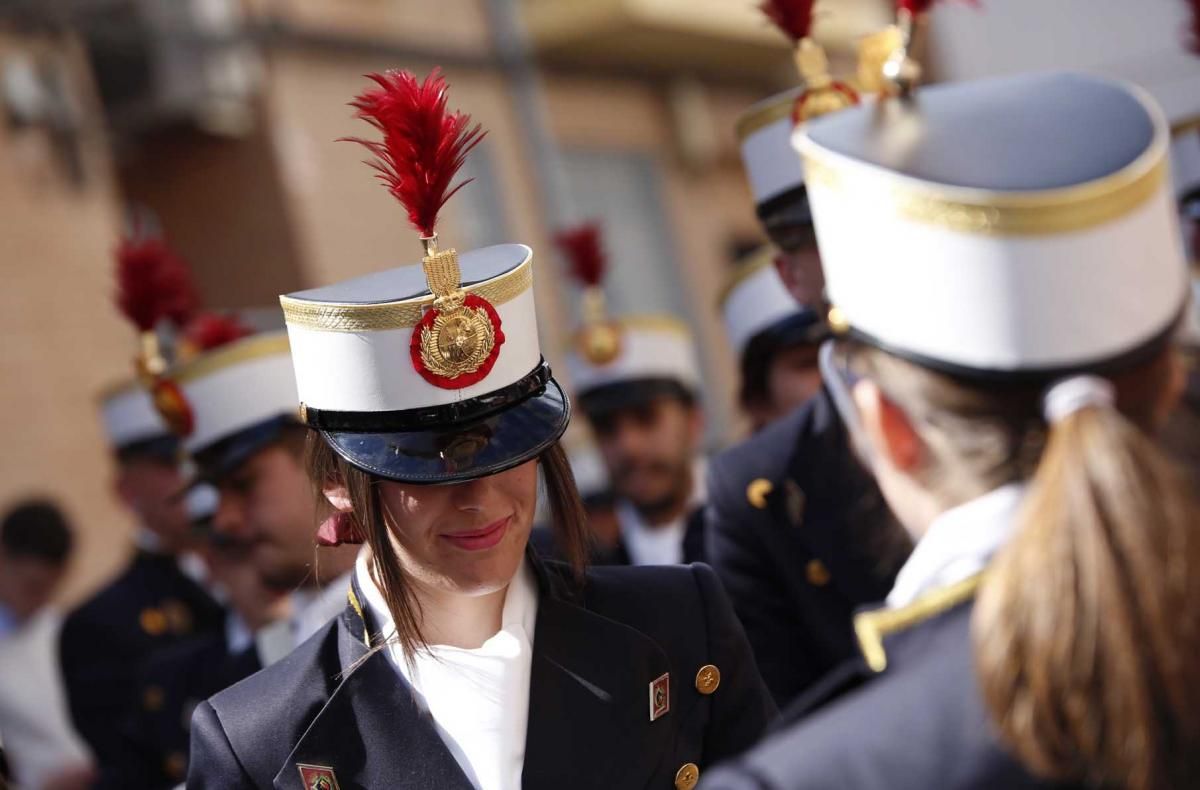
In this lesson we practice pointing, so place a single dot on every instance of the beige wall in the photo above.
(62, 338)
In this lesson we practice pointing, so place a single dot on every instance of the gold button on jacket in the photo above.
(687, 776)
(708, 679)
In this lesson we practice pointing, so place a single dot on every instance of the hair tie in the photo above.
(1069, 395)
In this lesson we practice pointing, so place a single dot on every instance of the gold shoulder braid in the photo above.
(872, 627)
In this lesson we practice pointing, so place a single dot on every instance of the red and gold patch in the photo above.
(660, 696)
(173, 406)
(457, 346)
(317, 777)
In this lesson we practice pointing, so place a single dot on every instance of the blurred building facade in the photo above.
(219, 118)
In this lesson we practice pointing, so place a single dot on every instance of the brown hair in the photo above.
(1086, 629)
(325, 466)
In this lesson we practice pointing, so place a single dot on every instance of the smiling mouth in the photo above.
(480, 539)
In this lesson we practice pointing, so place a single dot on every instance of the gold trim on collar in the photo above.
(254, 347)
(1022, 213)
(765, 113)
(872, 627)
(404, 314)
(752, 265)
(357, 607)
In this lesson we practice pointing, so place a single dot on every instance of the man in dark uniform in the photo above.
(797, 529)
(152, 604)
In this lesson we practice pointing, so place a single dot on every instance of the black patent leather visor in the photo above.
(462, 450)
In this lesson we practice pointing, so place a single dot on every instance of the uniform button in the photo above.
(687, 776)
(756, 492)
(817, 573)
(153, 621)
(707, 679)
(175, 765)
(152, 698)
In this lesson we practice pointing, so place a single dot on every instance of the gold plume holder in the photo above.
(901, 71)
(442, 274)
(822, 94)
(150, 363)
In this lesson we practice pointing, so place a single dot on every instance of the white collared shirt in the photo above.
(660, 544)
(478, 698)
(959, 543)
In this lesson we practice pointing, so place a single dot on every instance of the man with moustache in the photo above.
(642, 407)
(245, 440)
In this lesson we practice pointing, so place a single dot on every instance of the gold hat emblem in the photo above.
(458, 339)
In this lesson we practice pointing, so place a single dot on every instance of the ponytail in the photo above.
(1087, 628)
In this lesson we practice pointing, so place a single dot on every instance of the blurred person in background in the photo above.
(1043, 632)
(247, 442)
(796, 528)
(40, 745)
(637, 380)
(151, 604)
(774, 338)
(175, 680)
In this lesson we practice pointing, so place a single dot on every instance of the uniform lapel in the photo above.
(372, 732)
(589, 706)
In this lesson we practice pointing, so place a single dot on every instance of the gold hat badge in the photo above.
(822, 93)
(458, 339)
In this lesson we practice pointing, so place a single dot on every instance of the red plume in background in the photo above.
(423, 145)
(210, 330)
(793, 17)
(581, 246)
(153, 284)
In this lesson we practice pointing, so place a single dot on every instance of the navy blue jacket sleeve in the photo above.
(213, 764)
(743, 709)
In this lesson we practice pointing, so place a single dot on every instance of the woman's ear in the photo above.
(888, 427)
(339, 496)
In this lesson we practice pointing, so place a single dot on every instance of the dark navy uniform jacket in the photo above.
(105, 642)
(335, 703)
(917, 724)
(693, 544)
(173, 682)
(801, 537)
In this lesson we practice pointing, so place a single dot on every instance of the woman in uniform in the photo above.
(1007, 355)
(462, 660)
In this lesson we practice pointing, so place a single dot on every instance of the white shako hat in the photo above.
(617, 362)
(233, 400)
(132, 423)
(1015, 227)
(432, 372)
(764, 131)
(755, 302)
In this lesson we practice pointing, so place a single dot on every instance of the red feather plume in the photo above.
(153, 284)
(210, 330)
(424, 145)
(793, 17)
(581, 246)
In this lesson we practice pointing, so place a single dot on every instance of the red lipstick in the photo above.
(480, 539)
